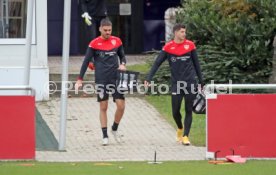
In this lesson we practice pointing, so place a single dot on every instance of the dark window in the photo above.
(155, 9)
(12, 18)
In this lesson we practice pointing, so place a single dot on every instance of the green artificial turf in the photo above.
(138, 168)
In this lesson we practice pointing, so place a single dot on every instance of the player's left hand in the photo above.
(122, 67)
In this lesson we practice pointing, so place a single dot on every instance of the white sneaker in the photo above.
(105, 141)
(117, 136)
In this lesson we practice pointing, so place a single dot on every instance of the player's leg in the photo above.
(189, 99)
(119, 99)
(102, 98)
(176, 100)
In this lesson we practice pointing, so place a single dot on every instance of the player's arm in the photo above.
(122, 57)
(158, 61)
(197, 66)
(85, 15)
(83, 6)
(88, 58)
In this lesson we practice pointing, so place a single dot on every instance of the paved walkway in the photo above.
(55, 62)
(142, 128)
(144, 131)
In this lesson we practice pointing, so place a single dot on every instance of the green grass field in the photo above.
(137, 168)
(142, 68)
(163, 104)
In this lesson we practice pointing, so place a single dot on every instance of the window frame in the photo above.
(22, 41)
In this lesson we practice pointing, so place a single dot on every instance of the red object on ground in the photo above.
(17, 127)
(91, 66)
(235, 159)
(244, 123)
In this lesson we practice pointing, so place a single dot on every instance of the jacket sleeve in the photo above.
(83, 6)
(158, 61)
(121, 54)
(89, 57)
(197, 66)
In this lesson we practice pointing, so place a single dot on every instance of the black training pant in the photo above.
(177, 97)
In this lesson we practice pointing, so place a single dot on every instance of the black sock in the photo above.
(104, 130)
(115, 126)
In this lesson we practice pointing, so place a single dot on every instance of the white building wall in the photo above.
(12, 58)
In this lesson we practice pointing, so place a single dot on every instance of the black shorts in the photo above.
(103, 91)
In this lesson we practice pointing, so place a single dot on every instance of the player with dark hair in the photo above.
(184, 65)
(107, 55)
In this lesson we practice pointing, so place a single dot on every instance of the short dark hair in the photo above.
(178, 26)
(106, 22)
